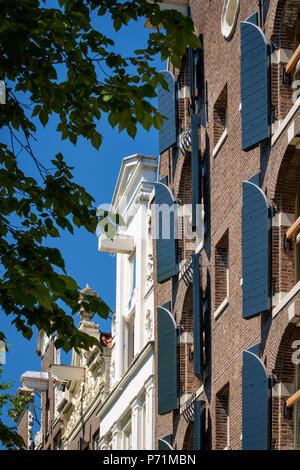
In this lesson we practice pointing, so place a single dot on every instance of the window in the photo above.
(96, 441)
(222, 419)
(297, 246)
(56, 356)
(222, 273)
(220, 120)
(130, 339)
(132, 276)
(144, 427)
(57, 443)
(229, 17)
(297, 411)
(296, 72)
(126, 436)
(133, 272)
(59, 392)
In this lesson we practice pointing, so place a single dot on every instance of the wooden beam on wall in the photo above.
(293, 61)
(293, 399)
(293, 229)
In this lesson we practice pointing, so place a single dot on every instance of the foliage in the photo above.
(8, 435)
(55, 58)
(56, 63)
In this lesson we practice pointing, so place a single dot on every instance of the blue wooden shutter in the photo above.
(198, 425)
(255, 232)
(253, 19)
(200, 79)
(196, 180)
(254, 85)
(165, 443)
(167, 107)
(197, 318)
(166, 253)
(192, 73)
(164, 180)
(166, 361)
(255, 403)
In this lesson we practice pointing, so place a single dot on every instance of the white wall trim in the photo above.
(286, 299)
(286, 121)
(186, 337)
(283, 219)
(221, 308)
(283, 389)
(220, 142)
(281, 56)
(185, 398)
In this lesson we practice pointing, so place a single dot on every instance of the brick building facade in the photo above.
(70, 395)
(229, 90)
(227, 282)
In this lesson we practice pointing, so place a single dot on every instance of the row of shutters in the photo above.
(255, 237)
(165, 443)
(165, 215)
(255, 406)
(255, 234)
(167, 340)
(255, 89)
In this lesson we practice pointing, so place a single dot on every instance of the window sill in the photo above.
(286, 298)
(283, 124)
(221, 308)
(220, 142)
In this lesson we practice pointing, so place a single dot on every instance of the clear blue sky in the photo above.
(97, 171)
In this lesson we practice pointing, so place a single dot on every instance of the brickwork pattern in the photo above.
(227, 336)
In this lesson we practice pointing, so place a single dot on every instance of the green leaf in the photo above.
(43, 117)
(96, 140)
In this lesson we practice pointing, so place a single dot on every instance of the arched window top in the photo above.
(229, 17)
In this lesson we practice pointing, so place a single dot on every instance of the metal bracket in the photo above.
(287, 244)
(285, 77)
(286, 412)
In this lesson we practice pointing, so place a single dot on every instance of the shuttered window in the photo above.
(199, 423)
(167, 107)
(196, 179)
(255, 232)
(197, 318)
(166, 361)
(166, 252)
(255, 403)
(254, 84)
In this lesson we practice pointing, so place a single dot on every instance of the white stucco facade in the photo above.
(127, 415)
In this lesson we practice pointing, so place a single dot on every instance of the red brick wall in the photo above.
(23, 428)
(229, 334)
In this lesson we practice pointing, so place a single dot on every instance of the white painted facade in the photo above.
(127, 415)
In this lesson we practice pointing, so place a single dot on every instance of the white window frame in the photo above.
(229, 18)
(129, 339)
(127, 435)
